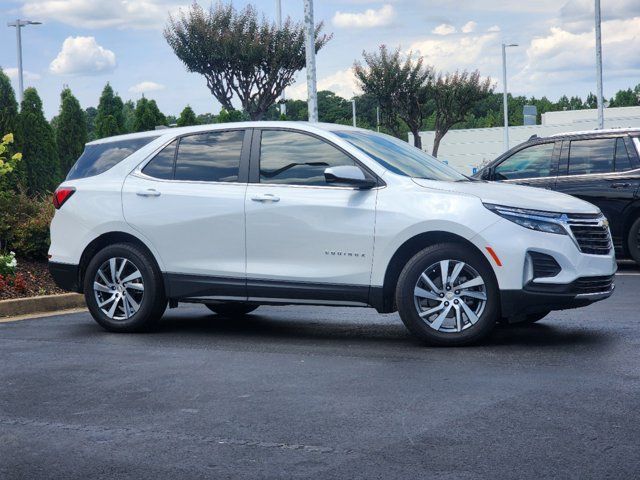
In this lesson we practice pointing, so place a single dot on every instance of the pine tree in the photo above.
(147, 115)
(187, 117)
(8, 106)
(110, 119)
(129, 115)
(39, 167)
(71, 131)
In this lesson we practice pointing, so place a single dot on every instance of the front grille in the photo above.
(544, 265)
(590, 285)
(591, 233)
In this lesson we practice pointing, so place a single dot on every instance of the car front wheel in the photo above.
(447, 295)
(634, 241)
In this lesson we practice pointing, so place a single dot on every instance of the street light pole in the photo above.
(599, 66)
(505, 103)
(18, 24)
(310, 49)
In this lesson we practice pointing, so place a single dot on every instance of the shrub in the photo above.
(24, 224)
(8, 264)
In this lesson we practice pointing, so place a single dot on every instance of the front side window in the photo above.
(591, 156)
(535, 161)
(210, 157)
(295, 158)
(99, 157)
(161, 166)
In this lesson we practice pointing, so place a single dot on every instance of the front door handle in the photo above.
(265, 198)
(150, 192)
(620, 185)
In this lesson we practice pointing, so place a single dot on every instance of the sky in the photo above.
(86, 43)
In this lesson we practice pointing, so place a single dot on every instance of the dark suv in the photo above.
(599, 166)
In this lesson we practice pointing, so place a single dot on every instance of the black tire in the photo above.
(408, 309)
(633, 241)
(231, 309)
(152, 302)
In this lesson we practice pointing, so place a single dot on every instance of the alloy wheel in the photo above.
(450, 296)
(119, 288)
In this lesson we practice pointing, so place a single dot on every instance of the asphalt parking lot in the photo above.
(307, 392)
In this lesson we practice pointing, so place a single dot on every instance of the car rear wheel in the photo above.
(123, 289)
(447, 295)
(633, 241)
(231, 309)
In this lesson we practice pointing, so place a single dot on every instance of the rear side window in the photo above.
(161, 166)
(622, 156)
(591, 156)
(210, 157)
(99, 158)
(535, 161)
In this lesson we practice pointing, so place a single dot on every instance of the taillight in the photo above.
(61, 195)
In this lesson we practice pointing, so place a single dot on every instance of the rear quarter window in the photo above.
(100, 157)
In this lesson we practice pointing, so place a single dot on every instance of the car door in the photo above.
(188, 201)
(598, 170)
(305, 237)
(534, 165)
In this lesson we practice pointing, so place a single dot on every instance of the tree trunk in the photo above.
(436, 143)
(417, 139)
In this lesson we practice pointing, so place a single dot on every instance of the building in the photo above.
(468, 149)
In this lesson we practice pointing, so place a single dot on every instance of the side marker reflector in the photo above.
(494, 256)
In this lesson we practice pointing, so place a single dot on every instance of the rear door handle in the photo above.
(151, 192)
(265, 198)
(620, 185)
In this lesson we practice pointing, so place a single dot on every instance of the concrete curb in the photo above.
(44, 303)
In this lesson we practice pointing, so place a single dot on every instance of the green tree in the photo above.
(147, 115)
(71, 131)
(90, 114)
(454, 95)
(625, 98)
(109, 118)
(401, 86)
(8, 105)
(129, 116)
(39, 166)
(240, 54)
(187, 117)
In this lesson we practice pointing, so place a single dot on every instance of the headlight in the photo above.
(548, 222)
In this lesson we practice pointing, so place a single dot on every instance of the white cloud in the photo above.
(146, 86)
(82, 56)
(12, 73)
(444, 29)
(563, 56)
(342, 82)
(577, 15)
(459, 52)
(494, 28)
(102, 13)
(368, 19)
(469, 27)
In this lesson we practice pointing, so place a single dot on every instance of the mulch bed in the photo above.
(32, 278)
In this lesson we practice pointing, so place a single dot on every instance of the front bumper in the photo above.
(66, 276)
(538, 298)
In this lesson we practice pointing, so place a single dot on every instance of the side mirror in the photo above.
(349, 175)
(487, 174)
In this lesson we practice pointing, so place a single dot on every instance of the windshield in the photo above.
(400, 157)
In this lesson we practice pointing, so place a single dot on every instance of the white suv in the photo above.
(240, 215)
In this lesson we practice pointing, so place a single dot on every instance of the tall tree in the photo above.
(129, 116)
(40, 165)
(401, 86)
(147, 115)
(454, 95)
(240, 54)
(187, 117)
(71, 131)
(8, 105)
(109, 119)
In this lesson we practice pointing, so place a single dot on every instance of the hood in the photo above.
(517, 196)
